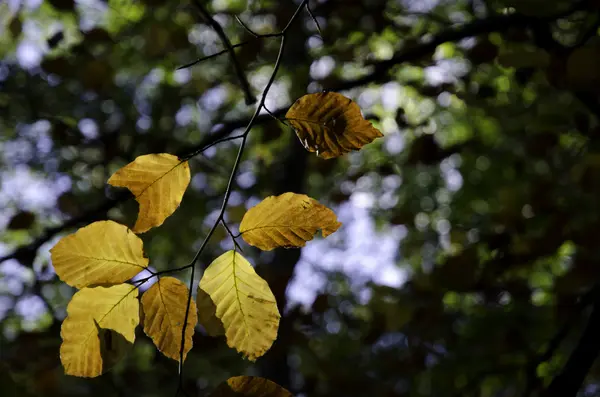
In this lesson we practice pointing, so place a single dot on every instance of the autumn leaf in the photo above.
(164, 306)
(288, 220)
(249, 386)
(104, 252)
(158, 182)
(207, 314)
(330, 124)
(99, 329)
(244, 303)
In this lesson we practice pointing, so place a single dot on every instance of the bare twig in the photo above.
(314, 19)
(250, 99)
(229, 188)
(246, 27)
(187, 65)
(233, 237)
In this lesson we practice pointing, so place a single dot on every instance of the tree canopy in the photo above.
(308, 198)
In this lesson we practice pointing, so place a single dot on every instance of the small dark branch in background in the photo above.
(314, 19)
(533, 382)
(570, 379)
(26, 253)
(187, 65)
(250, 99)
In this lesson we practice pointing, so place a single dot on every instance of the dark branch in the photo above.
(250, 99)
(568, 382)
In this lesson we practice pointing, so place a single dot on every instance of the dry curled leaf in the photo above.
(287, 220)
(330, 124)
(158, 182)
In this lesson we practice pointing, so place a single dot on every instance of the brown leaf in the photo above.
(330, 124)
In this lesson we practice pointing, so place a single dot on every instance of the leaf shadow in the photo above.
(207, 314)
(113, 347)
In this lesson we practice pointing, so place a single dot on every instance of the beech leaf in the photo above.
(158, 182)
(99, 329)
(249, 386)
(104, 252)
(244, 303)
(288, 220)
(164, 306)
(330, 124)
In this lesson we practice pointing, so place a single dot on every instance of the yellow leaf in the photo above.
(164, 306)
(99, 328)
(288, 220)
(158, 182)
(104, 252)
(249, 386)
(207, 314)
(244, 303)
(330, 124)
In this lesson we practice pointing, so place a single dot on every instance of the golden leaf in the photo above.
(158, 182)
(207, 314)
(249, 386)
(99, 329)
(288, 220)
(330, 124)
(164, 306)
(104, 252)
(244, 303)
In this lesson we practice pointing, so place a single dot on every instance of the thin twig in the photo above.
(205, 148)
(246, 27)
(282, 121)
(229, 188)
(233, 237)
(314, 19)
(187, 65)
(250, 99)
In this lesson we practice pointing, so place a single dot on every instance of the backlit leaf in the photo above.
(244, 303)
(288, 220)
(158, 182)
(104, 252)
(249, 386)
(207, 314)
(99, 329)
(164, 306)
(330, 124)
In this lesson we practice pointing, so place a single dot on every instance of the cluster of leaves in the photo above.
(232, 299)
